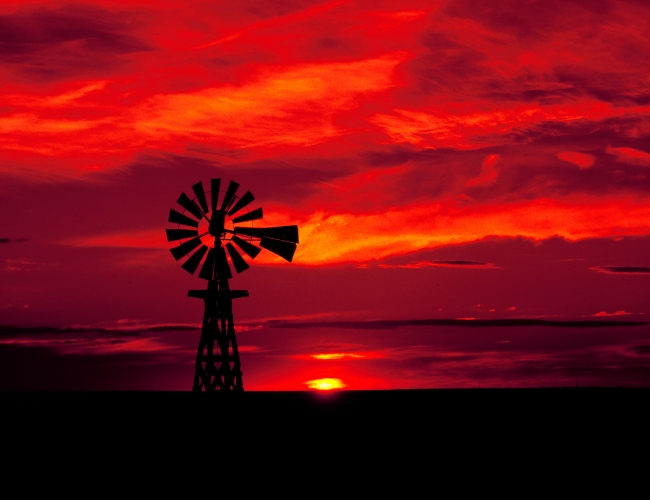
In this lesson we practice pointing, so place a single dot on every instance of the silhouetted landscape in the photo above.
(526, 421)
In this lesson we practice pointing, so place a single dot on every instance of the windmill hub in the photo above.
(217, 223)
(209, 243)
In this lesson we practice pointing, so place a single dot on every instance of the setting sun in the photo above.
(325, 384)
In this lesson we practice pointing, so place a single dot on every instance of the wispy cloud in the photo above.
(98, 345)
(642, 350)
(606, 314)
(463, 264)
(9, 240)
(258, 113)
(488, 174)
(582, 160)
(621, 269)
(630, 155)
(468, 130)
(46, 44)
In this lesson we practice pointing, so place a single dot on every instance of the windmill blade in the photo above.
(243, 201)
(284, 233)
(180, 234)
(200, 195)
(215, 185)
(184, 248)
(179, 218)
(193, 262)
(251, 250)
(185, 202)
(237, 260)
(208, 266)
(281, 248)
(254, 215)
(230, 194)
(223, 268)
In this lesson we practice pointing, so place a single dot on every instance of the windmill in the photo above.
(210, 238)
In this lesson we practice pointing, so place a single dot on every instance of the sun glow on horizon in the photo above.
(338, 355)
(325, 384)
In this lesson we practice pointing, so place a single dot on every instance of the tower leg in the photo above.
(217, 361)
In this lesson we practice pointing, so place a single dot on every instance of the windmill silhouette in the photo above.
(215, 233)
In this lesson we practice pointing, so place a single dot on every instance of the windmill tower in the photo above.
(210, 237)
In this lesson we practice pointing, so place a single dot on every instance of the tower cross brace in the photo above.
(218, 367)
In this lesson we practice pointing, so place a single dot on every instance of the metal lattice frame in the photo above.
(217, 361)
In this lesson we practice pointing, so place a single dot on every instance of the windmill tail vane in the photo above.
(211, 236)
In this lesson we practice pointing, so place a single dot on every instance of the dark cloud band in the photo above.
(621, 269)
(9, 240)
(69, 41)
(391, 325)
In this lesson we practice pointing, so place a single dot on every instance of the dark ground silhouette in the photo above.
(547, 407)
(414, 436)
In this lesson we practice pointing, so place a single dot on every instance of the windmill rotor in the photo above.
(213, 220)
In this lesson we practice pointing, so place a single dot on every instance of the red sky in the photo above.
(442, 159)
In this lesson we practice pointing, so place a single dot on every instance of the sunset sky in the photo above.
(444, 160)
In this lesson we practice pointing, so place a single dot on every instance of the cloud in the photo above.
(27, 265)
(111, 346)
(448, 64)
(274, 15)
(582, 160)
(551, 52)
(528, 19)
(96, 345)
(451, 78)
(630, 155)
(460, 322)
(362, 237)
(604, 84)
(488, 174)
(465, 264)
(121, 327)
(641, 349)
(617, 313)
(329, 238)
(145, 239)
(621, 269)
(470, 127)
(285, 106)
(525, 171)
(490, 72)
(49, 44)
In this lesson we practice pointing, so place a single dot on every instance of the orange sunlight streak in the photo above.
(331, 238)
(293, 106)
